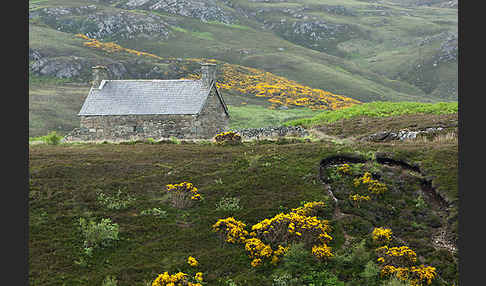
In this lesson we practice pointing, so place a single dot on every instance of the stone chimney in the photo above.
(100, 73)
(208, 73)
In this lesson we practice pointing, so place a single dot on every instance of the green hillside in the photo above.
(362, 50)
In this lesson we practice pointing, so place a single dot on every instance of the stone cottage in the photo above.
(116, 110)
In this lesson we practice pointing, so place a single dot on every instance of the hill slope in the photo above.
(365, 51)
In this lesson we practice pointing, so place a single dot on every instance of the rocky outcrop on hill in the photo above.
(60, 67)
(203, 10)
(401, 135)
(101, 24)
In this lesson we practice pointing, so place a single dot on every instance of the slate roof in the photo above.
(137, 97)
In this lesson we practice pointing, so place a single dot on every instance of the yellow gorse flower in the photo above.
(199, 276)
(381, 234)
(232, 229)
(166, 279)
(398, 261)
(345, 169)
(192, 261)
(183, 193)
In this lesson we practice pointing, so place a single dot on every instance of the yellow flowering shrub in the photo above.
(421, 274)
(192, 261)
(296, 226)
(344, 169)
(229, 137)
(269, 237)
(399, 261)
(259, 251)
(166, 279)
(292, 227)
(373, 186)
(381, 235)
(180, 278)
(279, 90)
(112, 47)
(357, 198)
(182, 195)
(231, 230)
(321, 251)
(309, 209)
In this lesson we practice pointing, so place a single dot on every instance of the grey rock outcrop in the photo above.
(60, 67)
(101, 24)
(401, 135)
(203, 10)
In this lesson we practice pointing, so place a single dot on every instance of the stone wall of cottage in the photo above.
(206, 125)
(212, 119)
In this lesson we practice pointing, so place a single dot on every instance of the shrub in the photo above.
(180, 278)
(230, 137)
(394, 282)
(52, 138)
(100, 234)
(228, 204)
(174, 140)
(183, 195)
(297, 260)
(420, 202)
(109, 281)
(381, 235)
(296, 226)
(284, 279)
(231, 230)
(115, 202)
(370, 273)
(151, 141)
(155, 212)
(321, 278)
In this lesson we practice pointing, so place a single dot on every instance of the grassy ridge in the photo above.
(378, 109)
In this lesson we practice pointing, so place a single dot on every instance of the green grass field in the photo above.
(377, 109)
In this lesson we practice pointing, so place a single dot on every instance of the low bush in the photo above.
(109, 281)
(183, 195)
(228, 204)
(118, 201)
(154, 212)
(96, 235)
(230, 138)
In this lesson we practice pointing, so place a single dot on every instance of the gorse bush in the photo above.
(269, 238)
(181, 278)
(230, 137)
(183, 195)
(399, 262)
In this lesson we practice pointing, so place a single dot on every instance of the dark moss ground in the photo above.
(268, 179)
